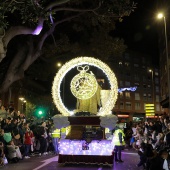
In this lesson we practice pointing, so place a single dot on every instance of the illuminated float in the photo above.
(87, 138)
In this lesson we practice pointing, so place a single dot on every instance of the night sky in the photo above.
(140, 29)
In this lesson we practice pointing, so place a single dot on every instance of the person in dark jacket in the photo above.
(42, 135)
(143, 159)
(160, 161)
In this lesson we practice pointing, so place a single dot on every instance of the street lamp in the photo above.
(59, 64)
(153, 89)
(160, 16)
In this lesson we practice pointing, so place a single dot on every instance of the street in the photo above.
(49, 162)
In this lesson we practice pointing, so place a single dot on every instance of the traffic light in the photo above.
(40, 112)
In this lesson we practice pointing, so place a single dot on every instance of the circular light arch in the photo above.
(88, 61)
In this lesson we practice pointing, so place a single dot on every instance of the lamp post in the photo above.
(160, 16)
(153, 89)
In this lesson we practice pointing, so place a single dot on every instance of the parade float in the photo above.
(85, 132)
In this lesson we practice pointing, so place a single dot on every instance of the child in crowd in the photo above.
(28, 142)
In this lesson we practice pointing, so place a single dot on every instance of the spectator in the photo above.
(42, 135)
(143, 159)
(28, 142)
(13, 152)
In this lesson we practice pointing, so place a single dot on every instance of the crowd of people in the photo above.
(151, 140)
(21, 137)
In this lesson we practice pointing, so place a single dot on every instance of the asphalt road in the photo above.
(49, 162)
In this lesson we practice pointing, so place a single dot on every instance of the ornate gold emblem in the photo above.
(83, 85)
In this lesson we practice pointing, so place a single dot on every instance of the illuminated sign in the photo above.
(150, 109)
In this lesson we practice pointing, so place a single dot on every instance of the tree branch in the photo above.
(41, 42)
(56, 3)
(18, 30)
(76, 10)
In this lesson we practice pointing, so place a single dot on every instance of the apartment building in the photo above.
(138, 82)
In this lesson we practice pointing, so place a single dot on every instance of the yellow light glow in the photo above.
(149, 108)
(83, 85)
(160, 16)
(148, 105)
(151, 114)
(21, 98)
(150, 111)
(78, 62)
(59, 64)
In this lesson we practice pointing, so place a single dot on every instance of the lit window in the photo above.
(156, 73)
(137, 106)
(157, 107)
(149, 95)
(121, 94)
(137, 96)
(149, 86)
(120, 63)
(157, 98)
(127, 64)
(144, 97)
(127, 94)
(128, 105)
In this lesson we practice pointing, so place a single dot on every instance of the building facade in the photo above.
(139, 84)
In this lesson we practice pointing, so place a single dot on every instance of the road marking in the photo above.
(130, 153)
(47, 161)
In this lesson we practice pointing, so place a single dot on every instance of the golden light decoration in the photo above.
(105, 110)
(83, 85)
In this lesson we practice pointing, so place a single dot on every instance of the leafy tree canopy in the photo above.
(80, 27)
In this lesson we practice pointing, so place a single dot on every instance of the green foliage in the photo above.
(28, 12)
(30, 107)
(24, 11)
(38, 104)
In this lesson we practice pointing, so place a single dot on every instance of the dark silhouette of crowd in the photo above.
(151, 140)
(22, 137)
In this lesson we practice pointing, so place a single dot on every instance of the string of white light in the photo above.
(105, 110)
